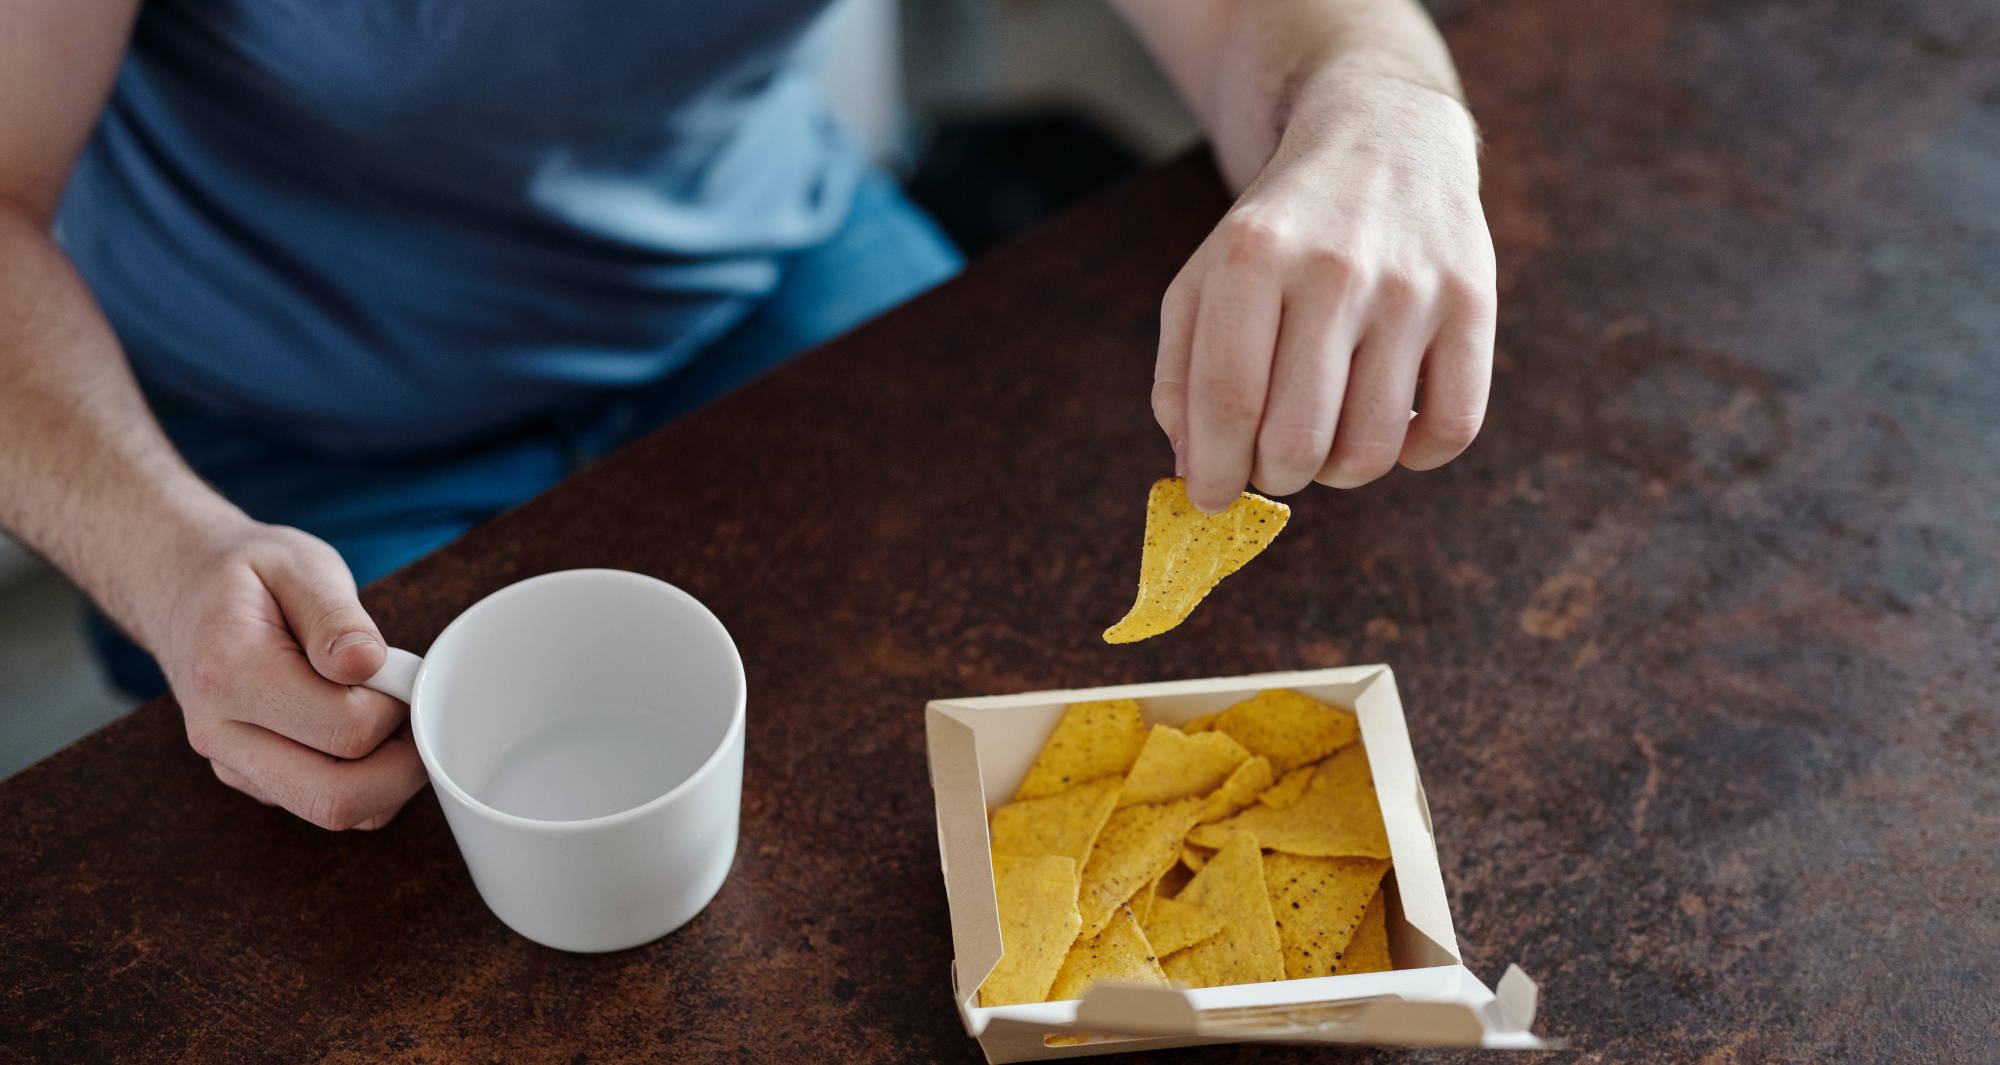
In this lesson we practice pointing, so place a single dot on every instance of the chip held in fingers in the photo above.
(1187, 553)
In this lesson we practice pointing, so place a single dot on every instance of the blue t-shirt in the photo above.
(377, 225)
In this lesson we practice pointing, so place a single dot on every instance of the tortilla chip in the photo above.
(1194, 858)
(1174, 765)
(1246, 950)
(1142, 903)
(1171, 883)
(1250, 778)
(1288, 789)
(1200, 724)
(1137, 845)
(1092, 741)
(1187, 553)
(1288, 728)
(1038, 922)
(1065, 824)
(1176, 925)
(1119, 954)
(1368, 951)
(1337, 817)
(1319, 903)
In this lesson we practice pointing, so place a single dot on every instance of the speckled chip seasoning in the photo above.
(1187, 553)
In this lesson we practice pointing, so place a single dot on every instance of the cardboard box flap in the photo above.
(1440, 1007)
(1514, 998)
(1405, 811)
(963, 851)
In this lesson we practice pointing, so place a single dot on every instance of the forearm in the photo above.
(1253, 71)
(86, 476)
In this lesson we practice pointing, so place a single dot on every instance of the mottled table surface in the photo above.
(1698, 643)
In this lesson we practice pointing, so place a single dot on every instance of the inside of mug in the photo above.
(578, 695)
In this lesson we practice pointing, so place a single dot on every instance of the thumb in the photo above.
(315, 590)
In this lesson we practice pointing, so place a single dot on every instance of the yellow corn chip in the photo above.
(1200, 724)
(1038, 921)
(1093, 740)
(1174, 765)
(1119, 954)
(1250, 778)
(1246, 950)
(1288, 728)
(1319, 903)
(1193, 857)
(1142, 903)
(1187, 553)
(1175, 925)
(1368, 951)
(1287, 790)
(1171, 882)
(1137, 845)
(1337, 817)
(1065, 824)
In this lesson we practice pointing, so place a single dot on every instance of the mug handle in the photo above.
(397, 676)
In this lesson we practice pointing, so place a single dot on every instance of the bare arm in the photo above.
(245, 618)
(1355, 264)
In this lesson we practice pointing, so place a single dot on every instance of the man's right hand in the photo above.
(263, 639)
(257, 627)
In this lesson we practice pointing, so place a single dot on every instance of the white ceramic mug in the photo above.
(584, 733)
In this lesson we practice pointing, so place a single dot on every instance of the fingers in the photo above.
(1458, 372)
(1170, 371)
(326, 791)
(315, 590)
(261, 678)
(1229, 369)
(292, 700)
(238, 781)
(1375, 415)
(1308, 382)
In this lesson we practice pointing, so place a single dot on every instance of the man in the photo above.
(376, 270)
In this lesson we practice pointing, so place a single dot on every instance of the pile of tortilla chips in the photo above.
(1244, 846)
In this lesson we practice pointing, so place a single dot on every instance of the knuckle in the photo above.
(346, 737)
(1293, 447)
(1456, 430)
(211, 675)
(1401, 287)
(1231, 402)
(331, 810)
(1467, 294)
(1250, 240)
(201, 739)
(1332, 267)
(1364, 461)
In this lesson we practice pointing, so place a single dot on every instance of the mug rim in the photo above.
(433, 765)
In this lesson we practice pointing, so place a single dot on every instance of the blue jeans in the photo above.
(383, 512)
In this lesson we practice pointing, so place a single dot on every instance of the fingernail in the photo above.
(352, 639)
(1180, 459)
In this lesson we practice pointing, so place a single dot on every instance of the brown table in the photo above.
(1698, 643)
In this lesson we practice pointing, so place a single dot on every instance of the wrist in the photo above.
(142, 586)
(1353, 115)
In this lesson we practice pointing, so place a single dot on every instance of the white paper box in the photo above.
(981, 748)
